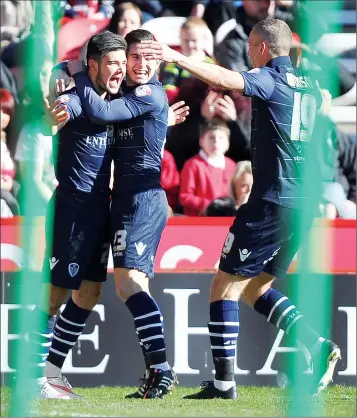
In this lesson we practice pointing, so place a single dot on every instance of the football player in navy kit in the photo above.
(263, 239)
(76, 258)
(139, 208)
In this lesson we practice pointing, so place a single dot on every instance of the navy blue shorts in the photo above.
(81, 240)
(137, 222)
(264, 237)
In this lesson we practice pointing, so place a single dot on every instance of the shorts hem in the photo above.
(239, 273)
(135, 268)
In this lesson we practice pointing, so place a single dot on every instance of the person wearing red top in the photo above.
(170, 179)
(7, 167)
(206, 176)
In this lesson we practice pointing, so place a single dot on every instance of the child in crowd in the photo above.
(179, 83)
(206, 176)
(241, 183)
(170, 179)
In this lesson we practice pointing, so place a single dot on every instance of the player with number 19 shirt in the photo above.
(265, 234)
(284, 105)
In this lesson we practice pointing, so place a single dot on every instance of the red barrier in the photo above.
(191, 244)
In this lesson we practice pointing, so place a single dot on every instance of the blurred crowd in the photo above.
(206, 169)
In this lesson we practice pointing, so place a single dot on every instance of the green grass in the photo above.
(252, 401)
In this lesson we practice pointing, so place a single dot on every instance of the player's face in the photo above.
(193, 41)
(255, 50)
(215, 143)
(242, 188)
(111, 71)
(140, 68)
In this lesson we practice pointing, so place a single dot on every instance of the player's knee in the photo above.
(226, 286)
(256, 287)
(87, 296)
(57, 297)
(130, 282)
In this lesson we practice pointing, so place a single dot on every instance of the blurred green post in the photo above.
(312, 290)
(29, 290)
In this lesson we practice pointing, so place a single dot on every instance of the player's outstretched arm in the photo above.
(98, 110)
(212, 74)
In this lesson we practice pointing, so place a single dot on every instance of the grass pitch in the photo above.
(252, 402)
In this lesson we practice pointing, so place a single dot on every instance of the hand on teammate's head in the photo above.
(159, 51)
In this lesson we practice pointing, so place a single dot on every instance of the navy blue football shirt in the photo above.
(284, 107)
(84, 151)
(140, 135)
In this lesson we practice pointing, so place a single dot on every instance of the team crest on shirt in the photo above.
(254, 71)
(73, 269)
(143, 91)
(64, 98)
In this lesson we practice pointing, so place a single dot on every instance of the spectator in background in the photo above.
(7, 81)
(235, 110)
(16, 19)
(36, 147)
(214, 12)
(170, 179)
(126, 17)
(206, 176)
(92, 9)
(241, 183)
(178, 83)
(32, 144)
(149, 8)
(32, 83)
(7, 105)
(181, 85)
(232, 52)
(178, 8)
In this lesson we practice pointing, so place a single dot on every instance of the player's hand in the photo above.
(56, 114)
(159, 51)
(178, 113)
(75, 66)
(225, 109)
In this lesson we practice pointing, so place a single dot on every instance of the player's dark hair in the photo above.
(277, 33)
(138, 35)
(102, 43)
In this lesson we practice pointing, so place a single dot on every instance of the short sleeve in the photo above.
(258, 83)
(145, 99)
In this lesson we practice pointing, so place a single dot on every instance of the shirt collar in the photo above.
(218, 162)
(275, 62)
(153, 80)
